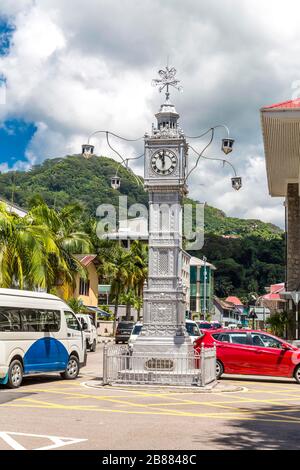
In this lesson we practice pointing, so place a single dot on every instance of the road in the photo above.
(264, 414)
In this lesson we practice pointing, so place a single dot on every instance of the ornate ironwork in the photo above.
(167, 79)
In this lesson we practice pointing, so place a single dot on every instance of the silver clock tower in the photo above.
(166, 153)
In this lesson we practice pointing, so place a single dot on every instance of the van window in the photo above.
(72, 321)
(29, 320)
(9, 320)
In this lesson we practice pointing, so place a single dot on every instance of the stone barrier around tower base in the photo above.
(123, 366)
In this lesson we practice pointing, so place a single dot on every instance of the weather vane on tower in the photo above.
(167, 79)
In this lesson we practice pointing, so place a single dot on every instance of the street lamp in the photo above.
(236, 182)
(227, 145)
(87, 150)
(116, 182)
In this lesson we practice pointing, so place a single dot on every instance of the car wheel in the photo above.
(93, 346)
(219, 369)
(72, 369)
(297, 374)
(15, 374)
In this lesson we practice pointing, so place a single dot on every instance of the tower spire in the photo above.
(166, 80)
(167, 117)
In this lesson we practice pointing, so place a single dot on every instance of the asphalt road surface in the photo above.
(47, 412)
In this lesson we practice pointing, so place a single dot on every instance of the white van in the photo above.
(39, 333)
(90, 331)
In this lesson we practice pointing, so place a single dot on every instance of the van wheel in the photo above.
(297, 374)
(15, 374)
(219, 369)
(93, 346)
(72, 369)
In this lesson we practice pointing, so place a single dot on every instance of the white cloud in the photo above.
(73, 69)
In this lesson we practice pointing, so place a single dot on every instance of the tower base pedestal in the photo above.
(162, 361)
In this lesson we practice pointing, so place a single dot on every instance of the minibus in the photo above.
(39, 333)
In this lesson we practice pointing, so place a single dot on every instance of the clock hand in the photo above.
(163, 158)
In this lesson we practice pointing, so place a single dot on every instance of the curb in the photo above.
(216, 387)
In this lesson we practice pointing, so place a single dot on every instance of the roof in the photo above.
(281, 135)
(234, 300)
(273, 296)
(199, 262)
(27, 293)
(224, 304)
(285, 105)
(276, 288)
(85, 260)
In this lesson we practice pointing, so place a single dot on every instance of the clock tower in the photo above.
(166, 154)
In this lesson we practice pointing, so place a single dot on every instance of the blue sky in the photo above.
(15, 134)
(69, 74)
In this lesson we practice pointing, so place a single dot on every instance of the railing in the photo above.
(124, 366)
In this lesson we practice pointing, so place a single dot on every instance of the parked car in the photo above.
(123, 332)
(206, 325)
(251, 352)
(39, 333)
(191, 327)
(216, 325)
(90, 331)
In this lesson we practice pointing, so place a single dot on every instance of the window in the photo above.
(192, 329)
(265, 341)
(238, 338)
(224, 338)
(84, 287)
(137, 329)
(9, 319)
(216, 336)
(72, 321)
(29, 319)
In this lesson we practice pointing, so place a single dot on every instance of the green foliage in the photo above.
(63, 181)
(277, 323)
(244, 264)
(249, 254)
(76, 305)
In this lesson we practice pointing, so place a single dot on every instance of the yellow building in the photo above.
(86, 290)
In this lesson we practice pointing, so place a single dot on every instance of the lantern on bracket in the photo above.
(87, 150)
(236, 182)
(115, 182)
(227, 145)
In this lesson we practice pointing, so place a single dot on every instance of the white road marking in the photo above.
(56, 441)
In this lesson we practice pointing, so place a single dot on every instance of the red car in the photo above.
(252, 352)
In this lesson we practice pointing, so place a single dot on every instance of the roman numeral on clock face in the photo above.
(164, 162)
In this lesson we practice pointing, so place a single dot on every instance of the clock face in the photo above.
(163, 162)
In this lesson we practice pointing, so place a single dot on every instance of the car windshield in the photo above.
(205, 326)
(137, 329)
(125, 326)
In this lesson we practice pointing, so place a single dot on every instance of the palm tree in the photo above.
(37, 251)
(25, 248)
(68, 240)
(139, 252)
(120, 277)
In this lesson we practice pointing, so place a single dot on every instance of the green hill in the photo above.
(63, 180)
(249, 254)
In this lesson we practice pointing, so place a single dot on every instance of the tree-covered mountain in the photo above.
(249, 254)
